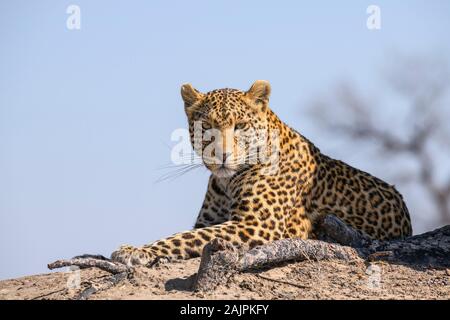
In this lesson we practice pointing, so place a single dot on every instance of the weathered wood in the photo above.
(430, 249)
(106, 265)
(218, 263)
(103, 285)
(119, 272)
(286, 250)
(220, 260)
(331, 228)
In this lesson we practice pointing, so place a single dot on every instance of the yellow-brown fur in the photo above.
(249, 207)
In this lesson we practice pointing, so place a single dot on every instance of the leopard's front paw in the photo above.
(132, 256)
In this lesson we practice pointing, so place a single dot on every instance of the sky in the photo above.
(86, 115)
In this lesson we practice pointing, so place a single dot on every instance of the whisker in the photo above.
(178, 172)
(175, 166)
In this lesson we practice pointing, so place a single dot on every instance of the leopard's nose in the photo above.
(225, 156)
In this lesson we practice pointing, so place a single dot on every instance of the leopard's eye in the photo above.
(206, 125)
(239, 126)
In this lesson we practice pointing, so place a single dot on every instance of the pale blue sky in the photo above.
(86, 115)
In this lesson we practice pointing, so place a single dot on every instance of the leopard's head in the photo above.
(228, 127)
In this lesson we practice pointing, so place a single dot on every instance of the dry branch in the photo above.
(333, 229)
(220, 260)
(103, 285)
(430, 249)
(217, 267)
(119, 272)
(105, 265)
(280, 251)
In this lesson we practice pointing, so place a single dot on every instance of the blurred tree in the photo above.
(413, 125)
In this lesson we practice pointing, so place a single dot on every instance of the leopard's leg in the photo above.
(189, 244)
(215, 208)
(257, 215)
(298, 225)
(214, 211)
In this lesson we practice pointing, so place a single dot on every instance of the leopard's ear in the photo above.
(260, 91)
(190, 95)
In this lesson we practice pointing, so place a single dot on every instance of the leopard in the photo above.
(251, 203)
